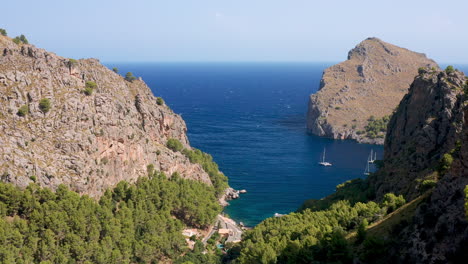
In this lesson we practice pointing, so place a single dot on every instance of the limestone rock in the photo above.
(370, 83)
(431, 121)
(88, 142)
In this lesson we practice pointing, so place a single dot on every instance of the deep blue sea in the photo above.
(251, 118)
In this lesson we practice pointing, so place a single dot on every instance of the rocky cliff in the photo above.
(365, 88)
(426, 152)
(86, 141)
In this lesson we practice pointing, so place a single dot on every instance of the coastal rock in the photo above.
(370, 83)
(430, 122)
(230, 194)
(87, 142)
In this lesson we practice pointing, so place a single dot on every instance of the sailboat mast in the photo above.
(323, 157)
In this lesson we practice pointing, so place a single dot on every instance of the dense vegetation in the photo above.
(138, 223)
(219, 180)
(197, 156)
(357, 190)
(376, 128)
(3, 32)
(333, 235)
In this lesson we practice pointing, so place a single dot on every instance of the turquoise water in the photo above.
(251, 118)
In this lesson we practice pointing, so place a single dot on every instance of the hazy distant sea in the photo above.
(251, 118)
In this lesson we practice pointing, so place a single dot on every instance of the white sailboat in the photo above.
(367, 170)
(323, 162)
(373, 156)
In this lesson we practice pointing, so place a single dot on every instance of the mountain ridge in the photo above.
(86, 141)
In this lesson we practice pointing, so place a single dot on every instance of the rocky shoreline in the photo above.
(230, 194)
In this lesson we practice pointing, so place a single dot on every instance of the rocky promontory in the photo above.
(75, 122)
(356, 97)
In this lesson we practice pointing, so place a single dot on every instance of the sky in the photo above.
(237, 30)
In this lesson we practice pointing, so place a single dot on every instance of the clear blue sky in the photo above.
(237, 30)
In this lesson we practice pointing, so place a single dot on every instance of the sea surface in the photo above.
(251, 118)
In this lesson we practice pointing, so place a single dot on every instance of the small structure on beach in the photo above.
(224, 232)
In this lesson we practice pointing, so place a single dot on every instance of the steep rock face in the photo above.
(432, 120)
(370, 83)
(426, 125)
(88, 142)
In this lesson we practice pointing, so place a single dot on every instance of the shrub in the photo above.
(466, 201)
(129, 77)
(353, 126)
(362, 231)
(72, 62)
(445, 163)
(160, 101)
(427, 185)
(449, 69)
(91, 84)
(421, 70)
(115, 70)
(174, 144)
(393, 202)
(44, 105)
(88, 91)
(33, 178)
(23, 110)
(3, 32)
(337, 108)
(21, 39)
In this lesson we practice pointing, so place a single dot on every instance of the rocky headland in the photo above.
(357, 96)
(78, 123)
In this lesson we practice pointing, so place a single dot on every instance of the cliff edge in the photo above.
(426, 154)
(75, 122)
(357, 96)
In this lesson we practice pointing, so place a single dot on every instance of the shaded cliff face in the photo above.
(426, 125)
(370, 83)
(88, 142)
(431, 120)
